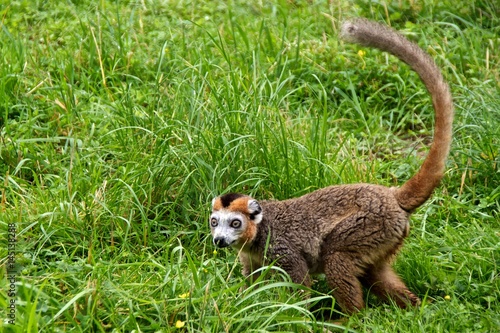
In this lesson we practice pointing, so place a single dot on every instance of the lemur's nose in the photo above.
(220, 242)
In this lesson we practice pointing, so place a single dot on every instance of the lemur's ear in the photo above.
(213, 202)
(255, 211)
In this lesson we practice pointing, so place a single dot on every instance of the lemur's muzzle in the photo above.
(221, 242)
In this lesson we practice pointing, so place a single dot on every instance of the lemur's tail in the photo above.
(367, 33)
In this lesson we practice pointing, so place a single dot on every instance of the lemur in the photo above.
(351, 233)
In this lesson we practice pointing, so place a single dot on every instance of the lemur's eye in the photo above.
(213, 222)
(235, 224)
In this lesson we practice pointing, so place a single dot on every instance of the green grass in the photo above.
(121, 120)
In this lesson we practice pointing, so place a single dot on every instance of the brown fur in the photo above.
(217, 205)
(240, 205)
(352, 232)
(250, 233)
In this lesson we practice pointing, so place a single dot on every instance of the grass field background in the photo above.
(121, 120)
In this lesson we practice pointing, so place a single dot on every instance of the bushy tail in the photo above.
(367, 33)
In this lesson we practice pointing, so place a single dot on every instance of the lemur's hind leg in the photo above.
(341, 276)
(382, 281)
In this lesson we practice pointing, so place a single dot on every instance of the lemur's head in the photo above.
(234, 220)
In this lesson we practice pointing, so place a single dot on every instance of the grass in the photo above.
(120, 121)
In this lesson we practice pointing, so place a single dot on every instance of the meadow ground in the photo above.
(121, 120)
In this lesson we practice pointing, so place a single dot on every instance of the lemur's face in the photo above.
(234, 220)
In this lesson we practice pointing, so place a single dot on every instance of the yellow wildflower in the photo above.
(185, 295)
(179, 324)
(361, 54)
